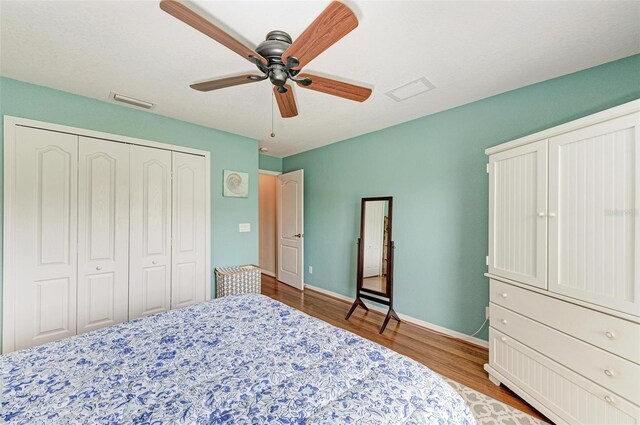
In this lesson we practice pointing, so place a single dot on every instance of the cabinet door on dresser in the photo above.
(103, 233)
(517, 214)
(150, 231)
(188, 241)
(594, 233)
(43, 241)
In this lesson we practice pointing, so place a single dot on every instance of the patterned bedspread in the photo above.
(242, 359)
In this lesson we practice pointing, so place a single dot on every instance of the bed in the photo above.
(245, 359)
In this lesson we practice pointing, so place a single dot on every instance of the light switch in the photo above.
(244, 227)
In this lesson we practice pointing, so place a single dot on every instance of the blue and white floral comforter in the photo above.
(242, 359)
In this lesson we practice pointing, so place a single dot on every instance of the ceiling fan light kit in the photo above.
(279, 58)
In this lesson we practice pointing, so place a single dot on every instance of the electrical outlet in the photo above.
(486, 312)
(310, 270)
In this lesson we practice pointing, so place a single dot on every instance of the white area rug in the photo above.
(489, 411)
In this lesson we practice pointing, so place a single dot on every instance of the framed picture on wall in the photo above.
(236, 184)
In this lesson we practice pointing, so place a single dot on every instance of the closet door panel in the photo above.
(150, 231)
(44, 236)
(594, 199)
(517, 214)
(188, 215)
(103, 233)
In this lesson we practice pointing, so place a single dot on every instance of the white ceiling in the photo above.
(469, 50)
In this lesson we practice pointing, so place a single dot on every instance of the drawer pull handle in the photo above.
(503, 339)
(610, 334)
(504, 295)
(609, 372)
(608, 399)
(504, 321)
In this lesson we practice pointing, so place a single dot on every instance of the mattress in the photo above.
(244, 359)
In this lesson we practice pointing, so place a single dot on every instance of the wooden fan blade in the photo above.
(336, 88)
(286, 102)
(178, 10)
(220, 83)
(336, 21)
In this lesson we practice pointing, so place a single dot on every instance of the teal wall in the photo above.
(434, 167)
(228, 151)
(270, 163)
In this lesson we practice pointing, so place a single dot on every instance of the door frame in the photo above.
(267, 173)
(10, 125)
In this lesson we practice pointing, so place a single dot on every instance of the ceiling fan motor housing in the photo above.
(272, 49)
(274, 46)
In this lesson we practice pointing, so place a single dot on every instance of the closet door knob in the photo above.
(609, 372)
(552, 215)
(504, 295)
(503, 339)
(98, 267)
(503, 321)
(608, 399)
(610, 334)
(541, 214)
(154, 262)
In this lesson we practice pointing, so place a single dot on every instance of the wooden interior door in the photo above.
(518, 214)
(188, 229)
(594, 204)
(44, 233)
(103, 233)
(150, 231)
(290, 228)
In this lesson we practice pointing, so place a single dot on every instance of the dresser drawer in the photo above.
(615, 373)
(610, 333)
(573, 398)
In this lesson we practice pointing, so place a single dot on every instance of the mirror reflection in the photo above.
(375, 243)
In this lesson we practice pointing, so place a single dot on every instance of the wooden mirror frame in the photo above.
(385, 298)
(360, 273)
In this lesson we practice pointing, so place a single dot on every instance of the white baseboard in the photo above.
(454, 334)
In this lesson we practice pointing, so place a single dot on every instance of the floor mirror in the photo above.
(374, 277)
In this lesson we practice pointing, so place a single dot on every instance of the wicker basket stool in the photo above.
(238, 280)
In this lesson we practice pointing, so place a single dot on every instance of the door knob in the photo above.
(98, 267)
(154, 262)
(299, 235)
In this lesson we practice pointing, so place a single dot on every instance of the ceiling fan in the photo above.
(279, 58)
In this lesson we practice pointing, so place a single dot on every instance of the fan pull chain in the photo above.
(272, 102)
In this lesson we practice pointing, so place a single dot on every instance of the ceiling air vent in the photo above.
(411, 89)
(130, 100)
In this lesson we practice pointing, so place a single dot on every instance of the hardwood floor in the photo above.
(453, 358)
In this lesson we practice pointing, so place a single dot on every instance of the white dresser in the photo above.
(564, 268)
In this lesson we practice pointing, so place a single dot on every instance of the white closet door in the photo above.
(594, 203)
(44, 236)
(103, 233)
(150, 231)
(188, 230)
(517, 214)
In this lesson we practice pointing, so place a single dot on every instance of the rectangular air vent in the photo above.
(411, 89)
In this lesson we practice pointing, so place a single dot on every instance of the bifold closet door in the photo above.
(44, 231)
(150, 231)
(103, 233)
(594, 204)
(188, 227)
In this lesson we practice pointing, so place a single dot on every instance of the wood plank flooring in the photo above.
(453, 358)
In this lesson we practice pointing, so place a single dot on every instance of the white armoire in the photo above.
(99, 229)
(564, 268)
